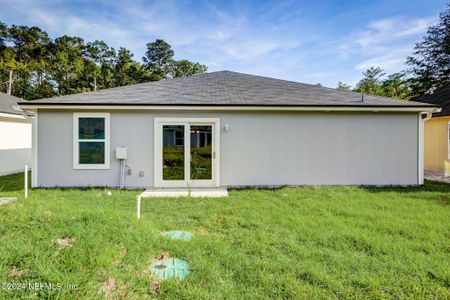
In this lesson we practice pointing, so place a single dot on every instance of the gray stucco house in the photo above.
(225, 129)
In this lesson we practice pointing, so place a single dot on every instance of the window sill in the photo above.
(91, 167)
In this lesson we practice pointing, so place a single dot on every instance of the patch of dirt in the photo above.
(122, 253)
(65, 242)
(110, 289)
(154, 287)
(49, 215)
(109, 285)
(6, 235)
(219, 219)
(203, 231)
(165, 255)
(435, 176)
(16, 273)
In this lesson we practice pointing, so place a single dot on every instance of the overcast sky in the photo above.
(312, 41)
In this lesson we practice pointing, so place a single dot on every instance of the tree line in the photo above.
(39, 67)
(428, 67)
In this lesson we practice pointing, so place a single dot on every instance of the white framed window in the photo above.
(91, 141)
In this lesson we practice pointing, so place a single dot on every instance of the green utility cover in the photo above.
(171, 268)
(178, 235)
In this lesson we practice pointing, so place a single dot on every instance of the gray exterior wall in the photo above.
(259, 148)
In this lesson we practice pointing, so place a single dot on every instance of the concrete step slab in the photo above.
(184, 192)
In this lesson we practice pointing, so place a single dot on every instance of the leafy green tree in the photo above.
(3, 36)
(68, 65)
(396, 86)
(184, 67)
(343, 87)
(103, 57)
(28, 59)
(126, 70)
(43, 67)
(430, 62)
(158, 59)
(371, 82)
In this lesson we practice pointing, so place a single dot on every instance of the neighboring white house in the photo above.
(225, 129)
(15, 136)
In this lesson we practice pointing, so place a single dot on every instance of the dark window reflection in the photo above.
(173, 152)
(201, 152)
(92, 152)
(91, 128)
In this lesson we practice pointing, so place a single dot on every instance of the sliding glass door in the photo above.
(186, 152)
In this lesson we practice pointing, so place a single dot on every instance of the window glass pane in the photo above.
(173, 152)
(201, 152)
(91, 128)
(92, 153)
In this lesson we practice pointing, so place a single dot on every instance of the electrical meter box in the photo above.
(121, 153)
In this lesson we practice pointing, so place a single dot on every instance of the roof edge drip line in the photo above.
(373, 108)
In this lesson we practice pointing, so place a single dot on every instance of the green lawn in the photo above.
(324, 242)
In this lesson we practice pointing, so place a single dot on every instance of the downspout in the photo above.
(423, 117)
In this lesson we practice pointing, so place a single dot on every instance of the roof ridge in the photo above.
(311, 85)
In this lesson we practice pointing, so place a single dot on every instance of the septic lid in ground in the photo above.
(178, 235)
(170, 268)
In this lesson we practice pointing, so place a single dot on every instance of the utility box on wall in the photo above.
(121, 153)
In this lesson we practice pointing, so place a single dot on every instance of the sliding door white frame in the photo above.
(158, 153)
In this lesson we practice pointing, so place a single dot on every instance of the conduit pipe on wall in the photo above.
(423, 117)
(122, 173)
(121, 154)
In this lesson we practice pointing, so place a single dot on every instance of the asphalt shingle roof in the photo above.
(225, 88)
(8, 104)
(440, 98)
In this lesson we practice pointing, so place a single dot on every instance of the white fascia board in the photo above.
(234, 108)
(12, 116)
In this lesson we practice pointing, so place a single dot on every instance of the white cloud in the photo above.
(389, 61)
(379, 33)
(384, 43)
(280, 39)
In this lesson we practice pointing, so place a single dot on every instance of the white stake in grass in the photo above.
(138, 206)
(26, 181)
